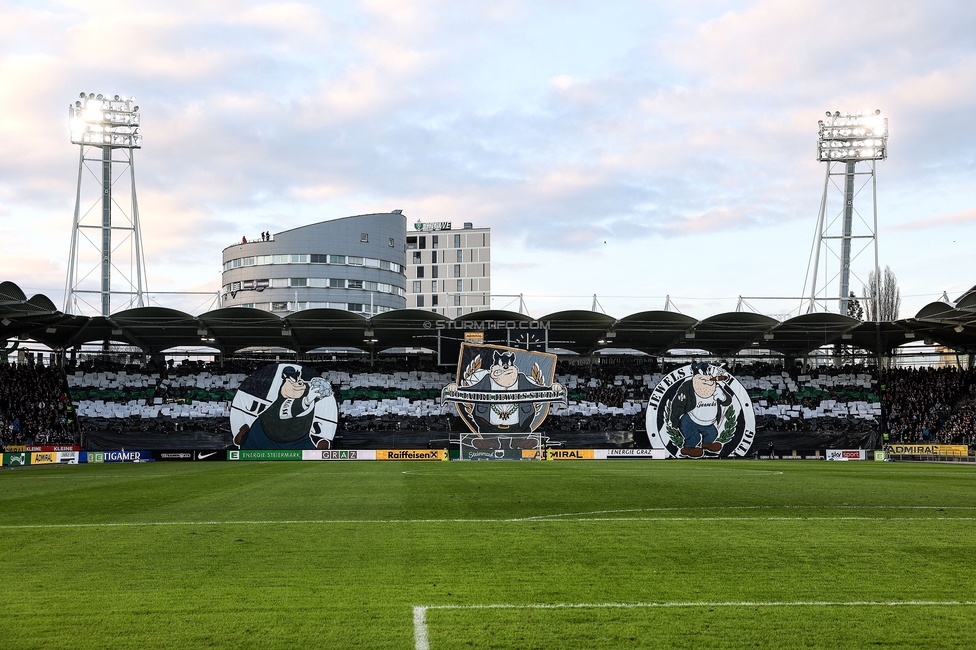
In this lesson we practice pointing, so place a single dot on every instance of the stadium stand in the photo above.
(400, 396)
(34, 406)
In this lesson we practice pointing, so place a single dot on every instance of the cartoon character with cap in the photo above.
(696, 410)
(504, 375)
(292, 419)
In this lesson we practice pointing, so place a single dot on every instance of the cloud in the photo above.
(963, 216)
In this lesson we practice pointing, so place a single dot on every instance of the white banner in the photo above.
(68, 457)
(339, 454)
(846, 454)
(616, 454)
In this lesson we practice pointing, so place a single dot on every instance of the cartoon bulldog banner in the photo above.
(284, 406)
(700, 411)
(502, 390)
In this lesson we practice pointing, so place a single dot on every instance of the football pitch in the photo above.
(436, 555)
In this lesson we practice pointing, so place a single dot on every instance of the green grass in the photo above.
(334, 555)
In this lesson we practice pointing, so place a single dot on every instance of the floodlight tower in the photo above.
(110, 124)
(851, 145)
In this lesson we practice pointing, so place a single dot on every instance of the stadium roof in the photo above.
(230, 330)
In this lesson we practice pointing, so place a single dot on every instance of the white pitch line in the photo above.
(422, 640)
(283, 522)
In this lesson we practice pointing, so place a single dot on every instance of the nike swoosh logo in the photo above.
(202, 456)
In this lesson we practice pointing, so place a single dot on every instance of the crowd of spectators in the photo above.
(34, 406)
(918, 404)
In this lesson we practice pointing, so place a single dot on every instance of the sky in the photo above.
(641, 152)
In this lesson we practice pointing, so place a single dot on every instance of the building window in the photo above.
(459, 310)
(460, 255)
(337, 259)
(433, 271)
(433, 257)
(411, 243)
(433, 301)
(457, 300)
(392, 243)
(354, 284)
(355, 261)
(457, 241)
(423, 242)
(460, 285)
(299, 282)
(355, 306)
(279, 306)
(433, 243)
(457, 270)
(364, 237)
(416, 257)
(337, 283)
(420, 271)
(420, 301)
(433, 286)
(416, 286)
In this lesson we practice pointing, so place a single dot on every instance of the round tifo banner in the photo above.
(701, 411)
(284, 406)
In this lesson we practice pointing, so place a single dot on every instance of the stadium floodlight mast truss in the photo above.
(109, 124)
(851, 145)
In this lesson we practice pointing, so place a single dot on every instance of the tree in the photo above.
(889, 298)
(854, 309)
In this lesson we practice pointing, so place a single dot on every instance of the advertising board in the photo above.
(622, 454)
(339, 454)
(846, 454)
(123, 456)
(414, 454)
(67, 457)
(264, 454)
(570, 454)
(44, 458)
(16, 459)
(928, 450)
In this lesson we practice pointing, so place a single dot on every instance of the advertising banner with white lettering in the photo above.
(264, 454)
(621, 454)
(123, 456)
(17, 459)
(846, 454)
(339, 454)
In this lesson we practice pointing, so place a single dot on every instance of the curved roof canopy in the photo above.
(157, 329)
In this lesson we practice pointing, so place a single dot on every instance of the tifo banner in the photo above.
(412, 454)
(284, 406)
(264, 454)
(502, 390)
(339, 454)
(618, 454)
(928, 450)
(570, 454)
(700, 411)
(44, 458)
(846, 454)
(17, 459)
